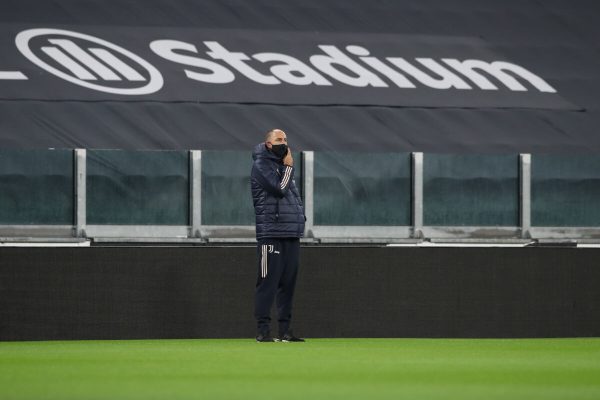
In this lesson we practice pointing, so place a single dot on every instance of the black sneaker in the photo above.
(289, 337)
(264, 338)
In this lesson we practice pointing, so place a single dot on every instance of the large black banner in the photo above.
(91, 63)
(207, 292)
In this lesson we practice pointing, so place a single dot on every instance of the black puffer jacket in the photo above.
(277, 203)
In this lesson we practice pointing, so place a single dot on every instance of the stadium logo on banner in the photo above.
(253, 66)
(87, 60)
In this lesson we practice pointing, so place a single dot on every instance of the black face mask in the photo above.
(280, 150)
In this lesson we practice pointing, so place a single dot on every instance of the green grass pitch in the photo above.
(318, 369)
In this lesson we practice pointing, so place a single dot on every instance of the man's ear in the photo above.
(269, 145)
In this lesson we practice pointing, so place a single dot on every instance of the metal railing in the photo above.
(198, 232)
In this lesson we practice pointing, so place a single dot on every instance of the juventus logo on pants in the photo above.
(278, 261)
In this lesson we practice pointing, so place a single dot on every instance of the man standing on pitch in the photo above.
(279, 227)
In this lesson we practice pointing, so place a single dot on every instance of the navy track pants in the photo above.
(278, 260)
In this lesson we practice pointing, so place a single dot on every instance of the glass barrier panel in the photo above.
(470, 190)
(36, 187)
(565, 190)
(362, 189)
(226, 196)
(137, 187)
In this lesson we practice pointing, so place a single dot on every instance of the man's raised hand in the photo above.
(288, 160)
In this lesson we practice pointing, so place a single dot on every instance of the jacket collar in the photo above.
(261, 151)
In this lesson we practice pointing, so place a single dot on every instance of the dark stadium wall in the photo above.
(207, 292)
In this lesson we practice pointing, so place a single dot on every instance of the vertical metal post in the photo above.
(308, 176)
(525, 194)
(195, 192)
(80, 192)
(417, 195)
